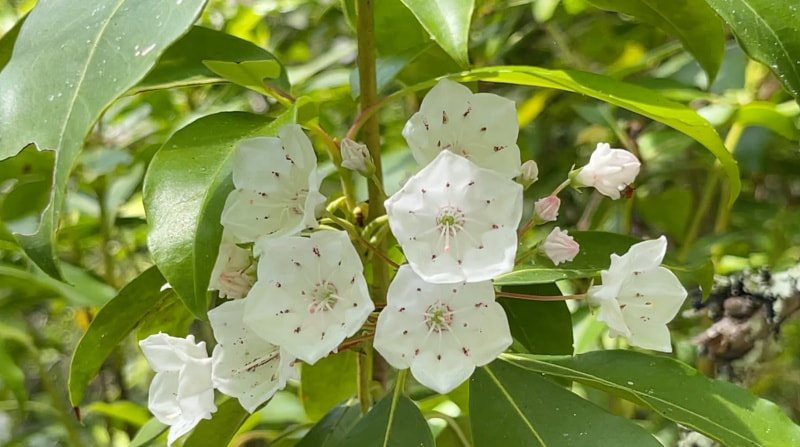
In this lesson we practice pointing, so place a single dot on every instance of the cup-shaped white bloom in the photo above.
(310, 295)
(182, 392)
(560, 247)
(277, 187)
(609, 171)
(356, 157)
(233, 274)
(530, 173)
(441, 331)
(481, 127)
(546, 209)
(245, 366)
(457, 221)
(639, 297)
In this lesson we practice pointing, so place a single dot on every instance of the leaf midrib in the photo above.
(775, 35)
(516, 407)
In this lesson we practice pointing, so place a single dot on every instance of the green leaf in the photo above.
(668, 210)
(110, 326)
(447, 22)
(149, 431)
(537, 412)
(184, 191)
(595, 255)
(11, 375)
(696, 25)
(327, 383)
(221, 428)
(7, 42)
(391, 423)
(122, 410)
(182, 63)
(766, 114)
(90, 293)
(768, 32)
(541, 327)
(332, 428)
(249, 74)
(635, 98)
(58, 82)
(720, 410)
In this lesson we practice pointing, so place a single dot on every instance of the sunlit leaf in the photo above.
(390, 423)
(447, 21)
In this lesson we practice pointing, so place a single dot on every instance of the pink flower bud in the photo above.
(560, 246)
(609, 171)
(546, 209)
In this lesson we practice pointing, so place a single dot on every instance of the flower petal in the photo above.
(166, 353)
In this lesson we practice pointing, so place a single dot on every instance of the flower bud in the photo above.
(560, 246)
(546, 209)
(530, 174)
(609, 171)
(356, 157)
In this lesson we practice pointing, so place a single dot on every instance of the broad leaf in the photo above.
(111, 325)
(635, 98)
(447, 22)
(766, 114)
(391, 423)
(149, 431)
(122, 410)
(221, 428)
(718, 409)
(87, 290)
(184, 191)
(541, 327)
(696, 25)
(7, 42)
(768, 31)
(58, 82)
(328, 382)
(249, 74)
(182, 63)
(537, 412)
(331, 429)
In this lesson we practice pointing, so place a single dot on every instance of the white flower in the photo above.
(441, 331)
(277, 187)
(356, 157)
(546, 209)
(457, 221)
(245, 366)
(482, 127)
(560, 247)
(609, 170)
(181, 393)
(530, 173)
(310, 294)
(639, 297)
(232, 274)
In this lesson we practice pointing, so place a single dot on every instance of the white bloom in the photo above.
(441, 331)
(457, 221)
(181, 393)
(560, 247)
(356, 157)
(232, 274)
(546, 209)
(277, 187)
(530, 173)
(609, 170)
(245, 366)
(310, 294)
(639, 297)
(482, 127)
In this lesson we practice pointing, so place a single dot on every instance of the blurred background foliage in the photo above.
(103, 232)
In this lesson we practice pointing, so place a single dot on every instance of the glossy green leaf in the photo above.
(720, 410)
(111, 325)
(182, 63)
(122, 410)
(327, 383)
(694, 23)
(11, 375)
(149, 431)
(447, 22)
(635, 98)
(249, 74)
(390, 423)
(541, 327)
(537, 412)
(221, 428)
(769, 32)
(57, 83)
(766, 114)
(184, 191)
(332, 428)
(596, 248)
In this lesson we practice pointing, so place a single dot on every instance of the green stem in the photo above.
(364, 368)
(724, 210)
(335, 154)
(525, 296)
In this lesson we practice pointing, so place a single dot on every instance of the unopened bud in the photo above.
(546, 209)
(560, 247)
(530, 174)
(356, 157)
(609, 171)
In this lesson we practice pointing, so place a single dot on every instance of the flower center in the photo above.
(449, 222)
(323, 297)
(438, 317)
